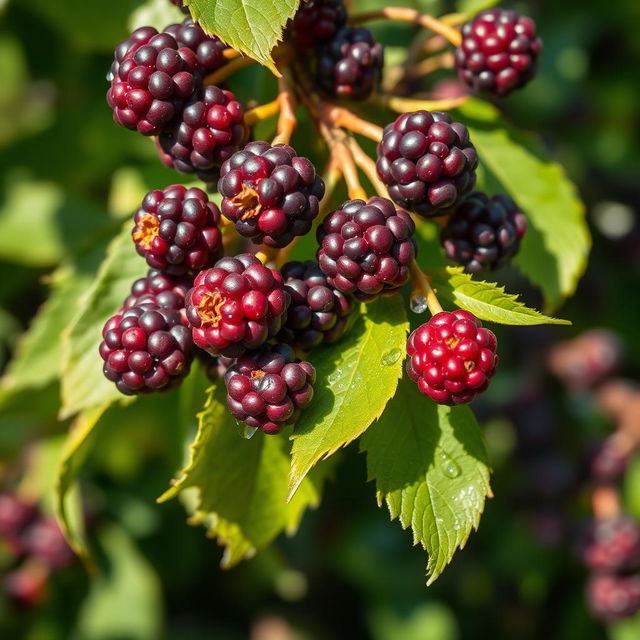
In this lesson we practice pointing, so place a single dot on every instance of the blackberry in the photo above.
(162, 289)
(318, 312)
(177, 230)
(611, 545)
(15, 515)
(45, 540)
(208, 131)
(215, 367)
(499, 51)
(145, 348)
(452, 357)
(154, 74)
(316, 21)
(268, 388)
(613, 597)
(427, 162)
(366, 248)
(483, 233)
(350, 64)
(270, 193)
(236, 305)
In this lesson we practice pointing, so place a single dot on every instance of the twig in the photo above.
(230, 54)
(287, 122)
(262, 112)
(341, 117)
(368, 166)
(425, 67)
(402, 105)
(229, 69)
(422, 291)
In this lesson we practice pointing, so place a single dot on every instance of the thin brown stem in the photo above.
(230, 54)
(402, 105)
(368, 167)
(287, 122)
(425, 67)
(341, 117)
(422, 291)
(229, 69)
(262, 112)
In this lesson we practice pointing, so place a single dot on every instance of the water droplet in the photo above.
(334, 376)
(391, 356)
(244, 431)
(418, 303)
(447, 465)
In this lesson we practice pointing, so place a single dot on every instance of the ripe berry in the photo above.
(611, 545)
(499, 51)
(266, 389)
(270, 193)
(316, 21)
(483, 233)
(208, 131)
(26, 585)
(145, 348)
(159, 288)
(609, 460)
(180, 5)
(613, 597)
(350, 64)
(318, 312)
(237, 305)
(452, 357)
(15, 514)
(154, 74)
(366, 248)
(44, 540)
(176, 230)
(427, 161)
(215, 367)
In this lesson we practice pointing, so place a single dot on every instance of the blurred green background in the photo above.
(69, 175)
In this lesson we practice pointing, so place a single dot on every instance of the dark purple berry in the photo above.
(611, 545)
(612, 597)
(316, 21)
(45, 540)
(161, 289)
(180, 5)
(270, 194)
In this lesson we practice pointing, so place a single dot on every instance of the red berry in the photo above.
(316, 21)
(611, 545)
(612, 597)
(45, 540)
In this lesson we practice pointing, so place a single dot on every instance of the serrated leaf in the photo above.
(430, 466)
(253, 27)
(555, 249)
(242, 483)
(355, 379)
(487, 300)
(83, 384)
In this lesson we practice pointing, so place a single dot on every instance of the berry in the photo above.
(366, 248)
(145, 348)
(452, 357)
(154, 74)
(270, 193)
(209, 130)
(44, 540)
(176, 230)
(318, 312)
(613, 597)
(483, 233)
(350, 64)
(237, 305)
(26, 585)
(268, 388)
(499, 51)
(317, 21)
(15, 514)
(611, 545)
(159, 288)
(180, 5)
(426, 161)
(608, 461)
(215, 367)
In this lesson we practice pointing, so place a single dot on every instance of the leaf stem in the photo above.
(287, 122)
(262, 112)
(229, 69)
(422, 292)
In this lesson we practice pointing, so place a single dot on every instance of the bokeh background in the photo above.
(68, 176)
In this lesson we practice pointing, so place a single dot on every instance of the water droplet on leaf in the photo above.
(447, 464)
(244, 431)
(391, 356)
(418, 304)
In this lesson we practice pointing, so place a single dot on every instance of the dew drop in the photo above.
(391, 356)
(244, 431)
(447, 465)
(418, 303)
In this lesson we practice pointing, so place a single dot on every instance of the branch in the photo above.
(287, 122)
(224, 72)
(368, 166)
(403, 105)
(262, 112)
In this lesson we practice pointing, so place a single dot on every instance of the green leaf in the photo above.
(555, 249)
(487, 300)
(83, 384)
(471, 7)
(430, 466)
(355, 379)
(253, 27)
(242, 483)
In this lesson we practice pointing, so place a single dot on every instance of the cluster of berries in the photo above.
(35, 546)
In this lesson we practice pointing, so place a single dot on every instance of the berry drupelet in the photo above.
(427, 162)
(145, 348)
(452, 357)
(612, 597)
(366, 248)
(483, 233)
(318, 312)
(270, 193)
(237, 305)
(161, 289)
(316, 22)
(350, 64)
(266, 389)
(499, 51)
(208, 131)
(611, 545)
(177, 230)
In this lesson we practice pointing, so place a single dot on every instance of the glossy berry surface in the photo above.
(366, 248)
(267, 389)
(270, 194)
(237, 305)
(350, 64)
(145, 348)
(208, 131)
(499, 51)
(316, 22)
(161, 289)
(318, 312)
(612, 597)
(611, 545)
(483, 233)
(426, 161)
(177, 230)
(452, 357)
